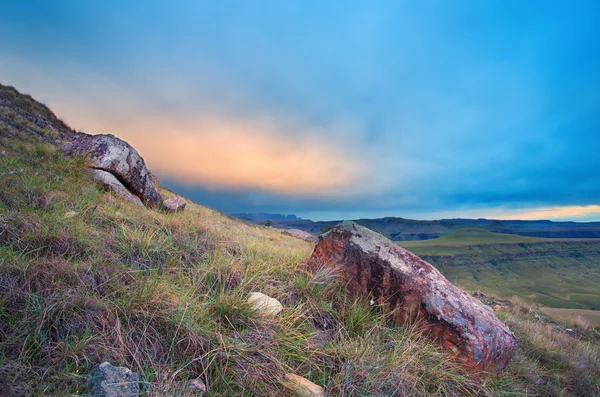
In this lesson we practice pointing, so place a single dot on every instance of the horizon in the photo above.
(333, 111)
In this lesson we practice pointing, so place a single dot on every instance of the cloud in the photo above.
(246, 155)
(566, 212)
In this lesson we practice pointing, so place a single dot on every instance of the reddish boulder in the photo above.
(398, 280)
(108, 153)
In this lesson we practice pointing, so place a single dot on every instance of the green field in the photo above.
(558, 273)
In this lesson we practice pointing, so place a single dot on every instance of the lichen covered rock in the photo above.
(110, 381)
(109, 153)
(174, 204)
(396, 279)
(110, 183)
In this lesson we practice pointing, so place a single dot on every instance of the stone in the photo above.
(233, 280)
(264, 304)
(174, 204)
(110, 381)
(108, 153)
(198, 386)
(301, 234)
(110, 183)
(303, 387)
(70, 214)
(395, 279)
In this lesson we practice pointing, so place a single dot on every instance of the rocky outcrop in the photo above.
(174, 204)
(112, 381)
(110, 154)
(301, 234)
(110, 183)
(398, 280)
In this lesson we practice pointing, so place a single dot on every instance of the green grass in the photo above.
(556, 273)
(471, 236)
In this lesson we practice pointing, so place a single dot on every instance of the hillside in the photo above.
(86, 277)
(559, 273)
(400, 229)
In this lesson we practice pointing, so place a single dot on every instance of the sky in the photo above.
(332, 109)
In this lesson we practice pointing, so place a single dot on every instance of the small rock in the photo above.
(304, 387)
(264, 304)
(71, 214)
(198, 385)
(234, 280)
(174, 204)
(112, 381)
(301, 234)
(497, 308)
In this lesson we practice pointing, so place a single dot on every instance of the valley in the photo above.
(558, 273)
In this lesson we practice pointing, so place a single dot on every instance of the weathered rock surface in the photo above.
(111, 183)
(112, 381)
(398, 280)
(264, 304)
(301, 234)
(108, 153)
(303, 387)
(174, 204)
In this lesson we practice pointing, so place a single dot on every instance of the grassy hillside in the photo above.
(86, 277)
(557, 273)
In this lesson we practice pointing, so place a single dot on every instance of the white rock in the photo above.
(303, 387)
(264, 304)
(174, 204)
(70, 214)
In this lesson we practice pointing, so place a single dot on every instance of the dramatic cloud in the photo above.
(246, 155)
(333, 110)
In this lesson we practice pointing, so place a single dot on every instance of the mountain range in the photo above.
(401, 229)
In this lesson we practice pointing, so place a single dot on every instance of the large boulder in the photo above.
(396, 279)
(108, 153)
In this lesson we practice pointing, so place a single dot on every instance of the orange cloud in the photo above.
(245, 155)
(565, 212)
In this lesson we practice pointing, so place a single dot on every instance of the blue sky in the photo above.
(332, 109)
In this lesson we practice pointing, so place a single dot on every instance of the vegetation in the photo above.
(557, 273)
(86, 277)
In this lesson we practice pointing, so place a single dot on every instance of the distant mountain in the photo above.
(400, 229)
(263, 217)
